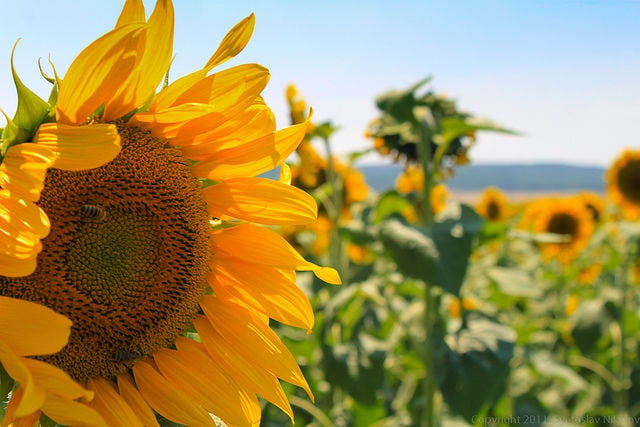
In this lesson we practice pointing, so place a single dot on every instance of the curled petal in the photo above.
(23, 169)
(80, 147)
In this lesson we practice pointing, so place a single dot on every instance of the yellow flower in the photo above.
(493, 205)
(588, 275)
(594, 203)
(565, 216)
(572, 304)
(439, 198)
(623, 183)
(120, 241)
(455, 307)
(410, 180)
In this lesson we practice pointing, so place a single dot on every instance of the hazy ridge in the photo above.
(543, 177)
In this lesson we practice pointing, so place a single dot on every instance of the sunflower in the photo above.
(594, 203)
(493, 205)
(623, 183)
(566, 216)
(131, 214)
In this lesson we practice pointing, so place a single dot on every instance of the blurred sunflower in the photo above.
(565, 216)
(493, 205)
(121, 242)
(623, 183)
(594, 203)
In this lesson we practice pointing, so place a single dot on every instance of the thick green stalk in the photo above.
(621, 398)
(429, 415)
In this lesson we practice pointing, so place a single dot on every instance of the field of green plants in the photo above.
(493, 314)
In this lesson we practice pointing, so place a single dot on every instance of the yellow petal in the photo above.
(13, 267)
(198, 358)
(80, 147)
(17, 240)
(132, 396)
(32, 329)
(199, 144)
(32, 396)
(211, 389)
(98, 72)
(30, 420)
(233, 42)
(70, 413)
(260, 200)
(55, 380)
(168, 122)
(163, 397)
(253, 340)
(110, 405)
(259, 245)
(247, 374)
(132, 13)
(14, 207)
(254, 157)
(23, 169)
(153, 64)
(231, 88)
(285, 174)
(269, 290)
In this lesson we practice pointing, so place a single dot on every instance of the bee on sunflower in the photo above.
(159, 301)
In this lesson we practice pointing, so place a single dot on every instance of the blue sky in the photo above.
(566, 73)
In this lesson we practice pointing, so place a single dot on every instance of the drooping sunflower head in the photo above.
(131, 213)
(566, 217)
(623, 183)
(493, 205)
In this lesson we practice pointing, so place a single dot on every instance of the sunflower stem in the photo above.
(621, 397)
(336, 252)
(429, 416)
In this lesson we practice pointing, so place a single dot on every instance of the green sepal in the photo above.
(31, 108)
(11, 134)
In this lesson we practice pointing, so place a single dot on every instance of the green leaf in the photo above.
(457, 126)
(325, 130)
(589, 323)
(477, 366)
(31, 108)
(6, 384)
(440, 254)
(390, 203)
(400, 103)
(514, 281)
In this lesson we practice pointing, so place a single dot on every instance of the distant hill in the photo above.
(512, 177)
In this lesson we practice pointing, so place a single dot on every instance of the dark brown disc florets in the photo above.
(127, 256)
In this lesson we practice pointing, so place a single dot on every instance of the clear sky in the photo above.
(566, 73)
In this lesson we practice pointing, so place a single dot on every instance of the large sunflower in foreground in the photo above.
(130, 214)
(623, 183)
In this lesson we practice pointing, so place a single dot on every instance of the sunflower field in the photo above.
(501, 313)
(170, 257)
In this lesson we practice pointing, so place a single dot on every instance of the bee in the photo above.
(94, 212)
(126, 356)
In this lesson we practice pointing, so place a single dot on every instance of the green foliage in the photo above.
(438, 254)
(477, 366)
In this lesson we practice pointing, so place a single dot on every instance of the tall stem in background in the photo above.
(429, 415)
(335, 246)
